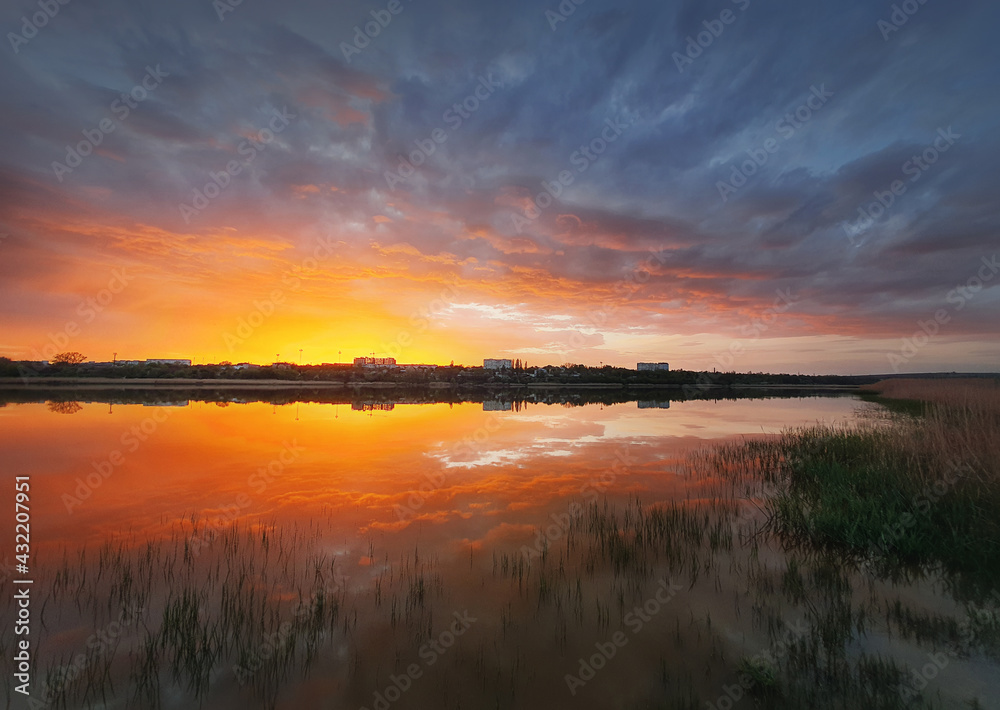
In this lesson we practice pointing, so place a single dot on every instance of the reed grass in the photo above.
(912, 491)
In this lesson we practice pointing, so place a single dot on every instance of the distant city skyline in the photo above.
(726, 360)
(490, 364)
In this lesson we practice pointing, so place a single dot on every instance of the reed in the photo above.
(907, 492)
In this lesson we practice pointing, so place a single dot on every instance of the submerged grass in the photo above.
(912, 491)
(866, 513)
(762, 675)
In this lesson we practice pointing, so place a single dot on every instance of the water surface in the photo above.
(432, 555)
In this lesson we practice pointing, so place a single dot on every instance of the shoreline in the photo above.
(86, 383)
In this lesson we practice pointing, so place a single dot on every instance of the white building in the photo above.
(653, 404)
(168, 362)
(374, 362)
(493, 405)
(652, 366)
(494, 364)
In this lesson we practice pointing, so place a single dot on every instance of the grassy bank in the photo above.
(902, 492)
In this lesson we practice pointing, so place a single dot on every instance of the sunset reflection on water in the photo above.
(404, 517)
(444, 473)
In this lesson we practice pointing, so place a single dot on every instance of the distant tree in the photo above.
(8, 368)
(73, 358)
(65, 407)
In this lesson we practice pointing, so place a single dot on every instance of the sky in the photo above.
(745, 185)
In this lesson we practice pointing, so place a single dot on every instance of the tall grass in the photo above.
(961, 421)
(240, 609)
(913, 491)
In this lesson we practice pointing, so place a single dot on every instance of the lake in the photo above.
(377, 554)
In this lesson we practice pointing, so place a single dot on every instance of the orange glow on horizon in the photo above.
(225, 290)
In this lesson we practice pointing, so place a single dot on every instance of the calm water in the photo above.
(319, 555)
(492, 472)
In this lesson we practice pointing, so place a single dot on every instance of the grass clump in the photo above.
(911, 491)
(761, 676)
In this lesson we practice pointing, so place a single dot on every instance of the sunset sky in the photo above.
(437, 181)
